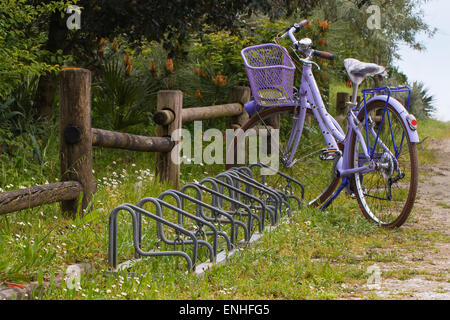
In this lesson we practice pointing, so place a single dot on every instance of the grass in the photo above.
(443, 205)
(318, 255)
(431, 129)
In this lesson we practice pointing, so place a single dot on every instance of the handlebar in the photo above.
(323, 54)
(296, 28)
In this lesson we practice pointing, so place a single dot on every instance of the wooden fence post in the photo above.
(75, 135)
(341, 99)
(166, 169)
(240, 95)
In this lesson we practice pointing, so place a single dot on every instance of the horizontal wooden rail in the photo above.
(165, 117)
(17, 200)
(119, 140)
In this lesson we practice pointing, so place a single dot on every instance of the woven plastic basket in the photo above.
(270, 71)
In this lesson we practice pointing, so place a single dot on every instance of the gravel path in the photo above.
(432, 211)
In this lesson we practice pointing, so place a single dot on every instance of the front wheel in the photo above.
(386, 195)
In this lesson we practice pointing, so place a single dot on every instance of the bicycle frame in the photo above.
(310, 98)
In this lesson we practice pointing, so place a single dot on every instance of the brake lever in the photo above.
(310, 62)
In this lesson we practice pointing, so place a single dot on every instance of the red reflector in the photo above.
(414, 122)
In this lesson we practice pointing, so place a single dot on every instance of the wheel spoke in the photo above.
(374, 188)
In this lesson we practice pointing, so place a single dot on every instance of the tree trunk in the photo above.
(48, 83)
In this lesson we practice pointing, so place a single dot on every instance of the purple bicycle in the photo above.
(375, 160)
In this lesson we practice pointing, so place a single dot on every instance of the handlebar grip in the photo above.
(323, 54)
(297, 26)
(303, 23)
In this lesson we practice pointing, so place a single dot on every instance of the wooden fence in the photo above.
(77, 138)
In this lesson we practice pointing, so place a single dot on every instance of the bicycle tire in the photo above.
(362, 195)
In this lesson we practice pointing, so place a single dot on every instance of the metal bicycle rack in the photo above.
(233, 201)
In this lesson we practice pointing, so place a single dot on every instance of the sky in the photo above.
(432, 66)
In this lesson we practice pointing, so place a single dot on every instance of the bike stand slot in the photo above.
(236, 200)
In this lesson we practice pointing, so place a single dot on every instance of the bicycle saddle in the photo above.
(358, 70)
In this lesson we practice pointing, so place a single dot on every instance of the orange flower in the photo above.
(152, 66)
(349, 83)
(198, 94)
(169, 65)
(170, 84)
(195, 70)
(219, 80)
(115, 46)
(129, 69)
(323, 42)
(324, 25)
(102, 42)
(127, 59)
(309, 25)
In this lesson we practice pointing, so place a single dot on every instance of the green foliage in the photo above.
(422, 102)
(120, 100)
(21, 41)
(220, 52)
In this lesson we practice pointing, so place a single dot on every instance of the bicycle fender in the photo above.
(401, 110)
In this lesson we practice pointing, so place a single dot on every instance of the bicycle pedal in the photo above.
(330, 154)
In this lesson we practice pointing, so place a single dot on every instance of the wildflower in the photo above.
(309, 25)
(324, 25)
(197, 71)
(169, 65)
(198, 94)
(219, 80)
(152, 67)
(323, 42)
(115, 46)
(102, 42)
(129, 69)
(127, 59)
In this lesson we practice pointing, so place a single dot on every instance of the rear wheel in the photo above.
(386, 196)
(315, 174)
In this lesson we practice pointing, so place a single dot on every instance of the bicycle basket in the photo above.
(270, 71)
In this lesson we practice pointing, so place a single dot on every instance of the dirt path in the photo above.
(430, 267)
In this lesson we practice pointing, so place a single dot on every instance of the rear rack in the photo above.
(388, 91)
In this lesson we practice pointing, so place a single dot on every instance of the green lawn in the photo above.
(315, 256)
